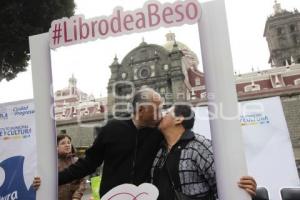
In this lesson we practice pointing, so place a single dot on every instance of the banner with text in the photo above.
(268, 148)
(18, 150)
(153, 15)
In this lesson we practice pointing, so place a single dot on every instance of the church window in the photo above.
(279, 31)
(296, 40)
(162, 90)
(292, 28)
(123, 75)
(197, 81)
(166, 67)
(144, 72)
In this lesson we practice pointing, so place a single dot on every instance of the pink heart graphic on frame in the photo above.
(145, 191)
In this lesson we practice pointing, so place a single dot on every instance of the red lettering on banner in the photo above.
(188, 10)
(140, 23)
(153, 13)
(66, 33)
(75, 30)
(152, 16)
(93, 27)
(128, 19)
(116, 19)
(166, 13)
(179, 13)
(81, 26)
(100, 27)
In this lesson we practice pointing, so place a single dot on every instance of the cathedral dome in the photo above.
(145, 52)
(190, 56)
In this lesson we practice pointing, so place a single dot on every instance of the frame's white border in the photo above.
(226, 134)
(45, 124)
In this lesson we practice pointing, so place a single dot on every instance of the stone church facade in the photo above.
(283, 36)
(163, 68)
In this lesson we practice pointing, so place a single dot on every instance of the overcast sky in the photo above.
(89, 61)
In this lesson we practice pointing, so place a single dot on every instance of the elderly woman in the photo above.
(184, 166)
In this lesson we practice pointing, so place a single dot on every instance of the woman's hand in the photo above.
(36, 182)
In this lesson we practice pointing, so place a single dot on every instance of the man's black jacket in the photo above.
(127, 153)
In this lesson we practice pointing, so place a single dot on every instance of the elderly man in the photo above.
(185, 165)
(127, 147)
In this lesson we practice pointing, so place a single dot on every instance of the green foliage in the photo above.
(18, 20)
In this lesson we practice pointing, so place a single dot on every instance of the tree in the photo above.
(18, 20)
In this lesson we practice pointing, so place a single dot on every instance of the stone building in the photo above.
(76, 113)
(163, 68)
(172, 70)
(282, 31)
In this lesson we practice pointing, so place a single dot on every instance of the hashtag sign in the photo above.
(77, 29)
(56, 34)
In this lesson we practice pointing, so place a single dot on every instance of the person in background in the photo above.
(185, 164)
(66, 157)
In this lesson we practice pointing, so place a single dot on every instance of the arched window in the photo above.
(292, 28)
(296, 41)
(279, 31)
(197, 81)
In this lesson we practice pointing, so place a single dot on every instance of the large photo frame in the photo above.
(214, 39)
